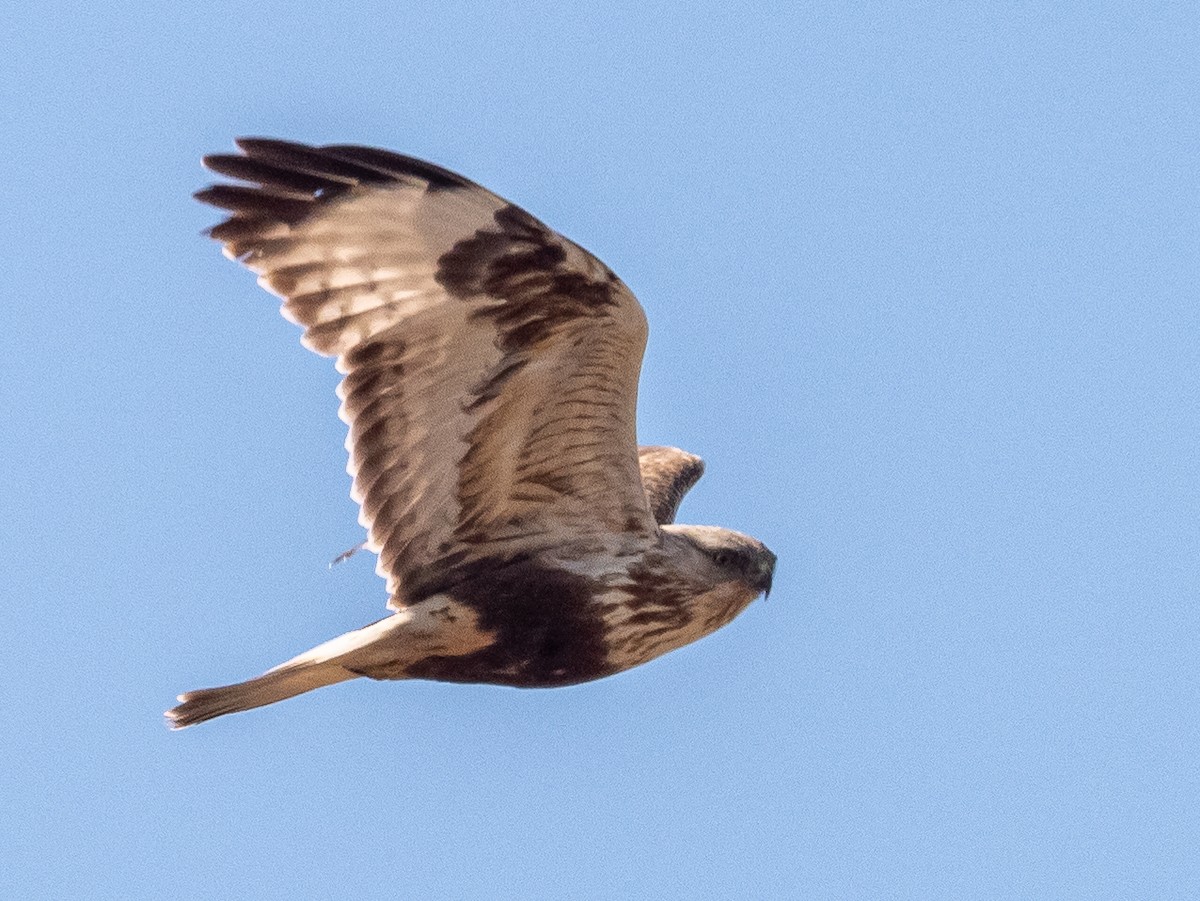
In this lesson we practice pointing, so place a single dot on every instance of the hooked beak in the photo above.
(766, 573)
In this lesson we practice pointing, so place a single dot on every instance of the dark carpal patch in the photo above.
(522, 262)
(547, 629)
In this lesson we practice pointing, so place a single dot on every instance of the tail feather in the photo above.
(348, 656)
(276, 685)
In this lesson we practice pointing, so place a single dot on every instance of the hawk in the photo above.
(490, 388)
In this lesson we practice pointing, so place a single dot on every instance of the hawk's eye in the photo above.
(722, 558)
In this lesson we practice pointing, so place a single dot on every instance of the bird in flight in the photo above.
(490, 388)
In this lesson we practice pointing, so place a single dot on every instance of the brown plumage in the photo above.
(490, 389)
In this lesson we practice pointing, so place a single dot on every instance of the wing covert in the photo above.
(668, 473)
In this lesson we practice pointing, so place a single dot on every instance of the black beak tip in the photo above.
(762, 574)
(768, 578)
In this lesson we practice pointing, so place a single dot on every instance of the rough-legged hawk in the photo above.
(491, 371)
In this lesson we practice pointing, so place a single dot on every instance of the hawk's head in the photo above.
(724, 555)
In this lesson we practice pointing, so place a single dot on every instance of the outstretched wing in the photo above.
(490, 364)
(667, 474)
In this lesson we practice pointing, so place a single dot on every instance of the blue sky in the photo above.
(921, 280)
